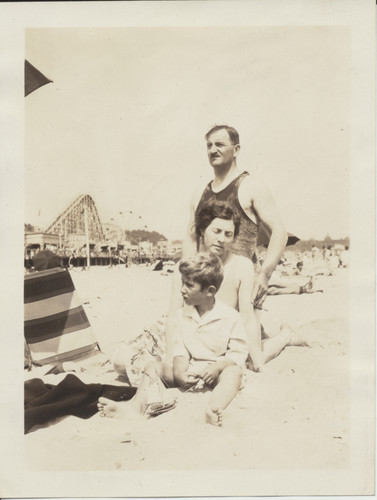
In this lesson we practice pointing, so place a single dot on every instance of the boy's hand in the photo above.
(210, 374)
(184, 380)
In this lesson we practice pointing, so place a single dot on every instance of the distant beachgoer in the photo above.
(158, 266)
(328, 252)
(46, 259)
(299, 267)
(334, 263)
(287, 288)
(211, 347)
(283, 286)
(314, 252)
(344, 257)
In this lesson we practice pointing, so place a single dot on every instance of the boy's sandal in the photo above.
(155, 409)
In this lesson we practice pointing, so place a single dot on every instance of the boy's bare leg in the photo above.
(136, 406)
(227, 387)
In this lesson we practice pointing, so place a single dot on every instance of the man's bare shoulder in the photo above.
(252, 189)
(252, 183)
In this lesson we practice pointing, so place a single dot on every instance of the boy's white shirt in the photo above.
(206, 339)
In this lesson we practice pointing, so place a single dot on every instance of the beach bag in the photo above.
(56, 327)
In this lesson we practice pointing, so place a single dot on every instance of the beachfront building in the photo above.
(40, 239)
(162, 248)
(175, 247)
(36, 241)
(145, 249)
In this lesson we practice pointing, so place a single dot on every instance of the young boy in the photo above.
(211, 345)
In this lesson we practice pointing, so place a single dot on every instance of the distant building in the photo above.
(175, 247)
(162, 247)
(145, 247)
(41, 240)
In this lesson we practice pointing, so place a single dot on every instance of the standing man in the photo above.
(249, 197)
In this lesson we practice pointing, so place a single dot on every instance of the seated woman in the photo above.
(217, 225)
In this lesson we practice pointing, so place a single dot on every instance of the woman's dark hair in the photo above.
(215, 210)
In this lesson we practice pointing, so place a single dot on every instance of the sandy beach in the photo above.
(293, 415)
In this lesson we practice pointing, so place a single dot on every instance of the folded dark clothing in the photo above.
(45, 402)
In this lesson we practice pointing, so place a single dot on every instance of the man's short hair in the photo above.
(215, 210)
(232, 132)
(204, 268)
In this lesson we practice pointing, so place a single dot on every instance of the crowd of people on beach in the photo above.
(71, 258)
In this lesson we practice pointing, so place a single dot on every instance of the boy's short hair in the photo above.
(205, 268)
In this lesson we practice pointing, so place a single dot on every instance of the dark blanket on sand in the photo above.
(45, 402)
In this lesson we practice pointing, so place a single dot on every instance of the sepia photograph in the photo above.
(193, 256)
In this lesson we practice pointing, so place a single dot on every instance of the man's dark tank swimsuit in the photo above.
(245, 242)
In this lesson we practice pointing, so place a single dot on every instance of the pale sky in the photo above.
(125, 117)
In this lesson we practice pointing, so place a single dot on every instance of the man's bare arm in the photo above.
(266, 210)
(249, 316)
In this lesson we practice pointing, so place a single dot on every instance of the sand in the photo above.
(293, 415)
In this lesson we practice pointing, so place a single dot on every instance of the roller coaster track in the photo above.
(72, 220)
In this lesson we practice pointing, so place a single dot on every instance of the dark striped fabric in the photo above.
(47, 284)
(62, 323)
(56, 327)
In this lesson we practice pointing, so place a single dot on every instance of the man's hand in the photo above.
(210, 374)
(259, 292)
